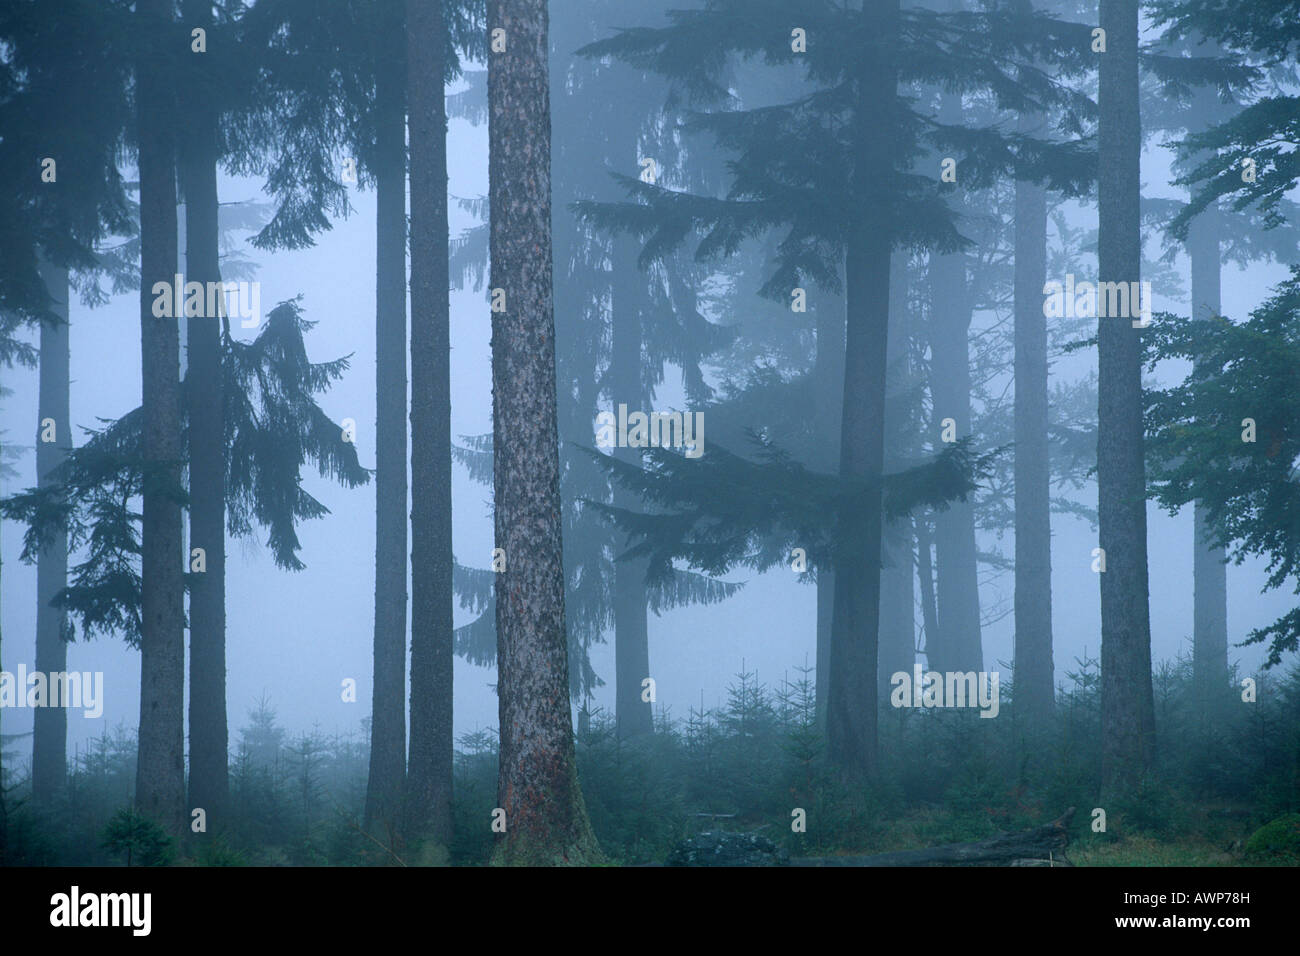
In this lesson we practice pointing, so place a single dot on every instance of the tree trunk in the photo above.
(825, 613)
(160, 765)
(537, 786)
(50, 724)
(829, 370)
(957, 588)
(1127, 706)
(897, 599)
(925, 578)
(209, 767)
(959, 646)
(1034, 676)
(429, 771)
(1209, 561)
(852, 700)
(632, 715)
(387, 776)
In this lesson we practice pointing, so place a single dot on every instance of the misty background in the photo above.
(294, 637)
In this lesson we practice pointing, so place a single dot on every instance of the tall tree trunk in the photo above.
(1209, 560)
(632, 715)
(825, 614)
(1127, 705)
(50, 724)
(429, 769)
(160, 765)
(537, 785)
(957, 584)
(205, 403)
(851, 704)
(388, 721)
(1035, 693)
(829, 370)
(897, 599)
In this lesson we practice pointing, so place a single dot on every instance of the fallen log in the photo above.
(1041, 846)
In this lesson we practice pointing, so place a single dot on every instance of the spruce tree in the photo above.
(432, 42)
(544, 815)
(1127, 706)
(204, 397)
(160, 772)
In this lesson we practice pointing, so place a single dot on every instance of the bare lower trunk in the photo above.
(851, 704)
(825, 613)
(388, 722)
(543, 813)
(209, 773)
(1127, 707)
(632, 714)
(632, 709)
(829, 370)
(959, 646)
(429, 770)
(1209, 560)
(160, 765)
(897, 598)
(897, 603)
(1035, 695)
(925, 578)
(50, 724)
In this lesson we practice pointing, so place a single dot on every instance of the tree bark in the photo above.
(1034, 675)
(205, 403)
(50, 724)
(852, 700)
(537, 785)
(429, 771)
(1127, 706)
(387, 775)
(160, 764)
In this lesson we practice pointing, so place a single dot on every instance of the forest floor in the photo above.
(1210, 836)
(1149, 851)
